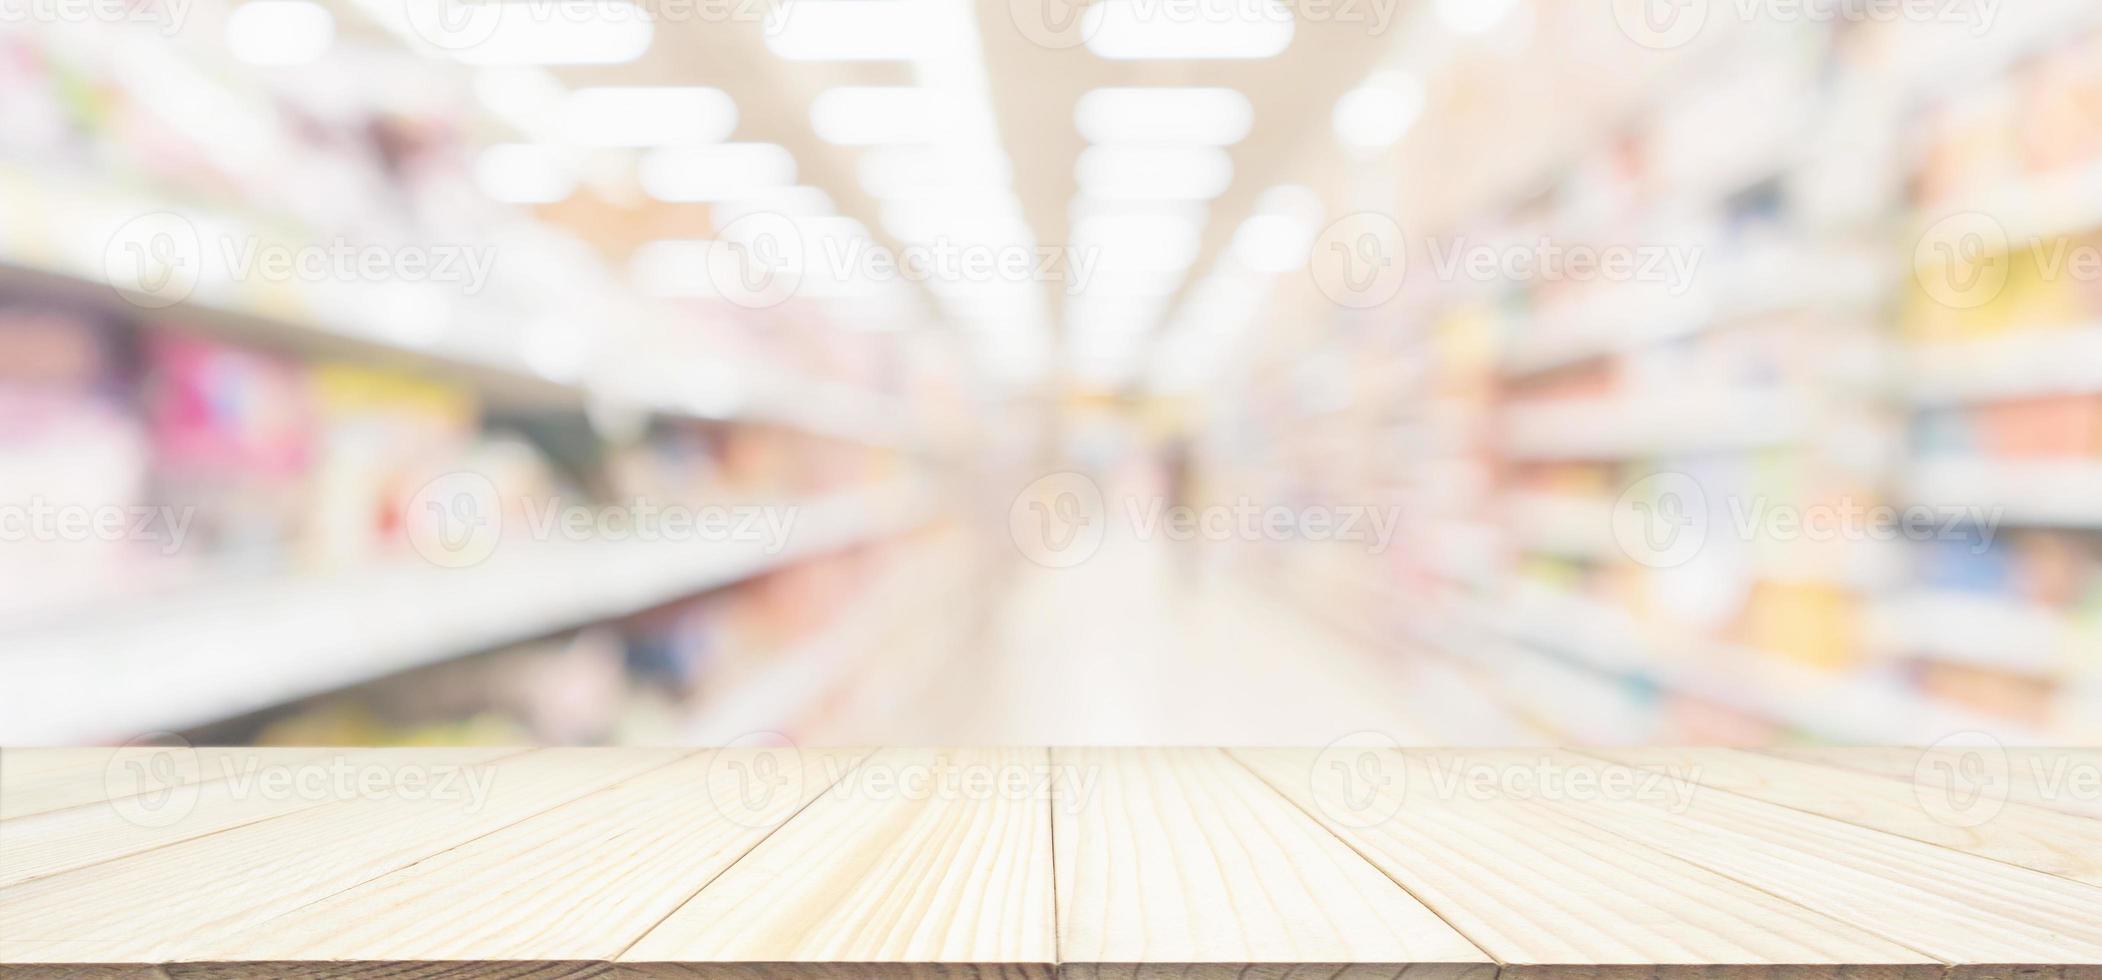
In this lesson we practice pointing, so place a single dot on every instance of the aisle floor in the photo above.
(1144, 645)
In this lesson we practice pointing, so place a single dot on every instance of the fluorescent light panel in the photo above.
(280, 32)
(721, 172)
(1168, 173)
(520, 173)
(848, 30)
(546, 32)
(1195, 29)
(647, 116)
(1185, 116)
(867, 115)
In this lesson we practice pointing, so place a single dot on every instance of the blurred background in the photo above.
(1126, 372)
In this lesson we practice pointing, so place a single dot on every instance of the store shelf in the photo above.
(1655, 425)
(1981, 630)
(1758, 287)
(188, 659)
(1563, 525)
(1870, 707)
(2030, 493)
(2031, 363)
(2031, 208)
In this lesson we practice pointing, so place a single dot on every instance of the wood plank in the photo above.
(1551, 897)
(2066, 780)
(1179, 862)
(247, 792)
(34, 781)
(1984, 917)
(917, 863)
(570, 887)
(2017, 833)
(142, 908)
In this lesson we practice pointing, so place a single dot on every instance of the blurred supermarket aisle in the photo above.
(1146, 644)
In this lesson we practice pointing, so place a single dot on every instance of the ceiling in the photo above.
(1025, 78)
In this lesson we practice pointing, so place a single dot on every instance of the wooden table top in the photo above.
(1351, 861)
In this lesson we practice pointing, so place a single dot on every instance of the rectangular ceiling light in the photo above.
(647, 116)
(550, 32)
(523, 173)
(1164, 173)
(1175, 116)
(1140, 241)
(1192, 29)
(800, 201)
(849, 30)
(866, 115)
(919, 171)
(719, 172)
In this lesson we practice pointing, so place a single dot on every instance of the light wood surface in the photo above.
(1930, 810)
(1181, 856)
(916, 856)
(1027, 864)
(1542, 893)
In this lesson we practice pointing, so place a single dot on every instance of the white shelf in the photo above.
(1868, 707)
(190, 659)
(1755, 286)
(1980, 630)
(2023, 364)
(1565, 525)
(2017, 492)
(1655, 425)
(2032, 208)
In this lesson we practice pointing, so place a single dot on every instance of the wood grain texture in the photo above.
(1028, 864)
(1549, 896)
(245, 791)
(935, 862)
(2066, 780)
(2017, 833)
(1986, 918)
(142, 907)
(34, 781)
(1179, 862)
(575, 884)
